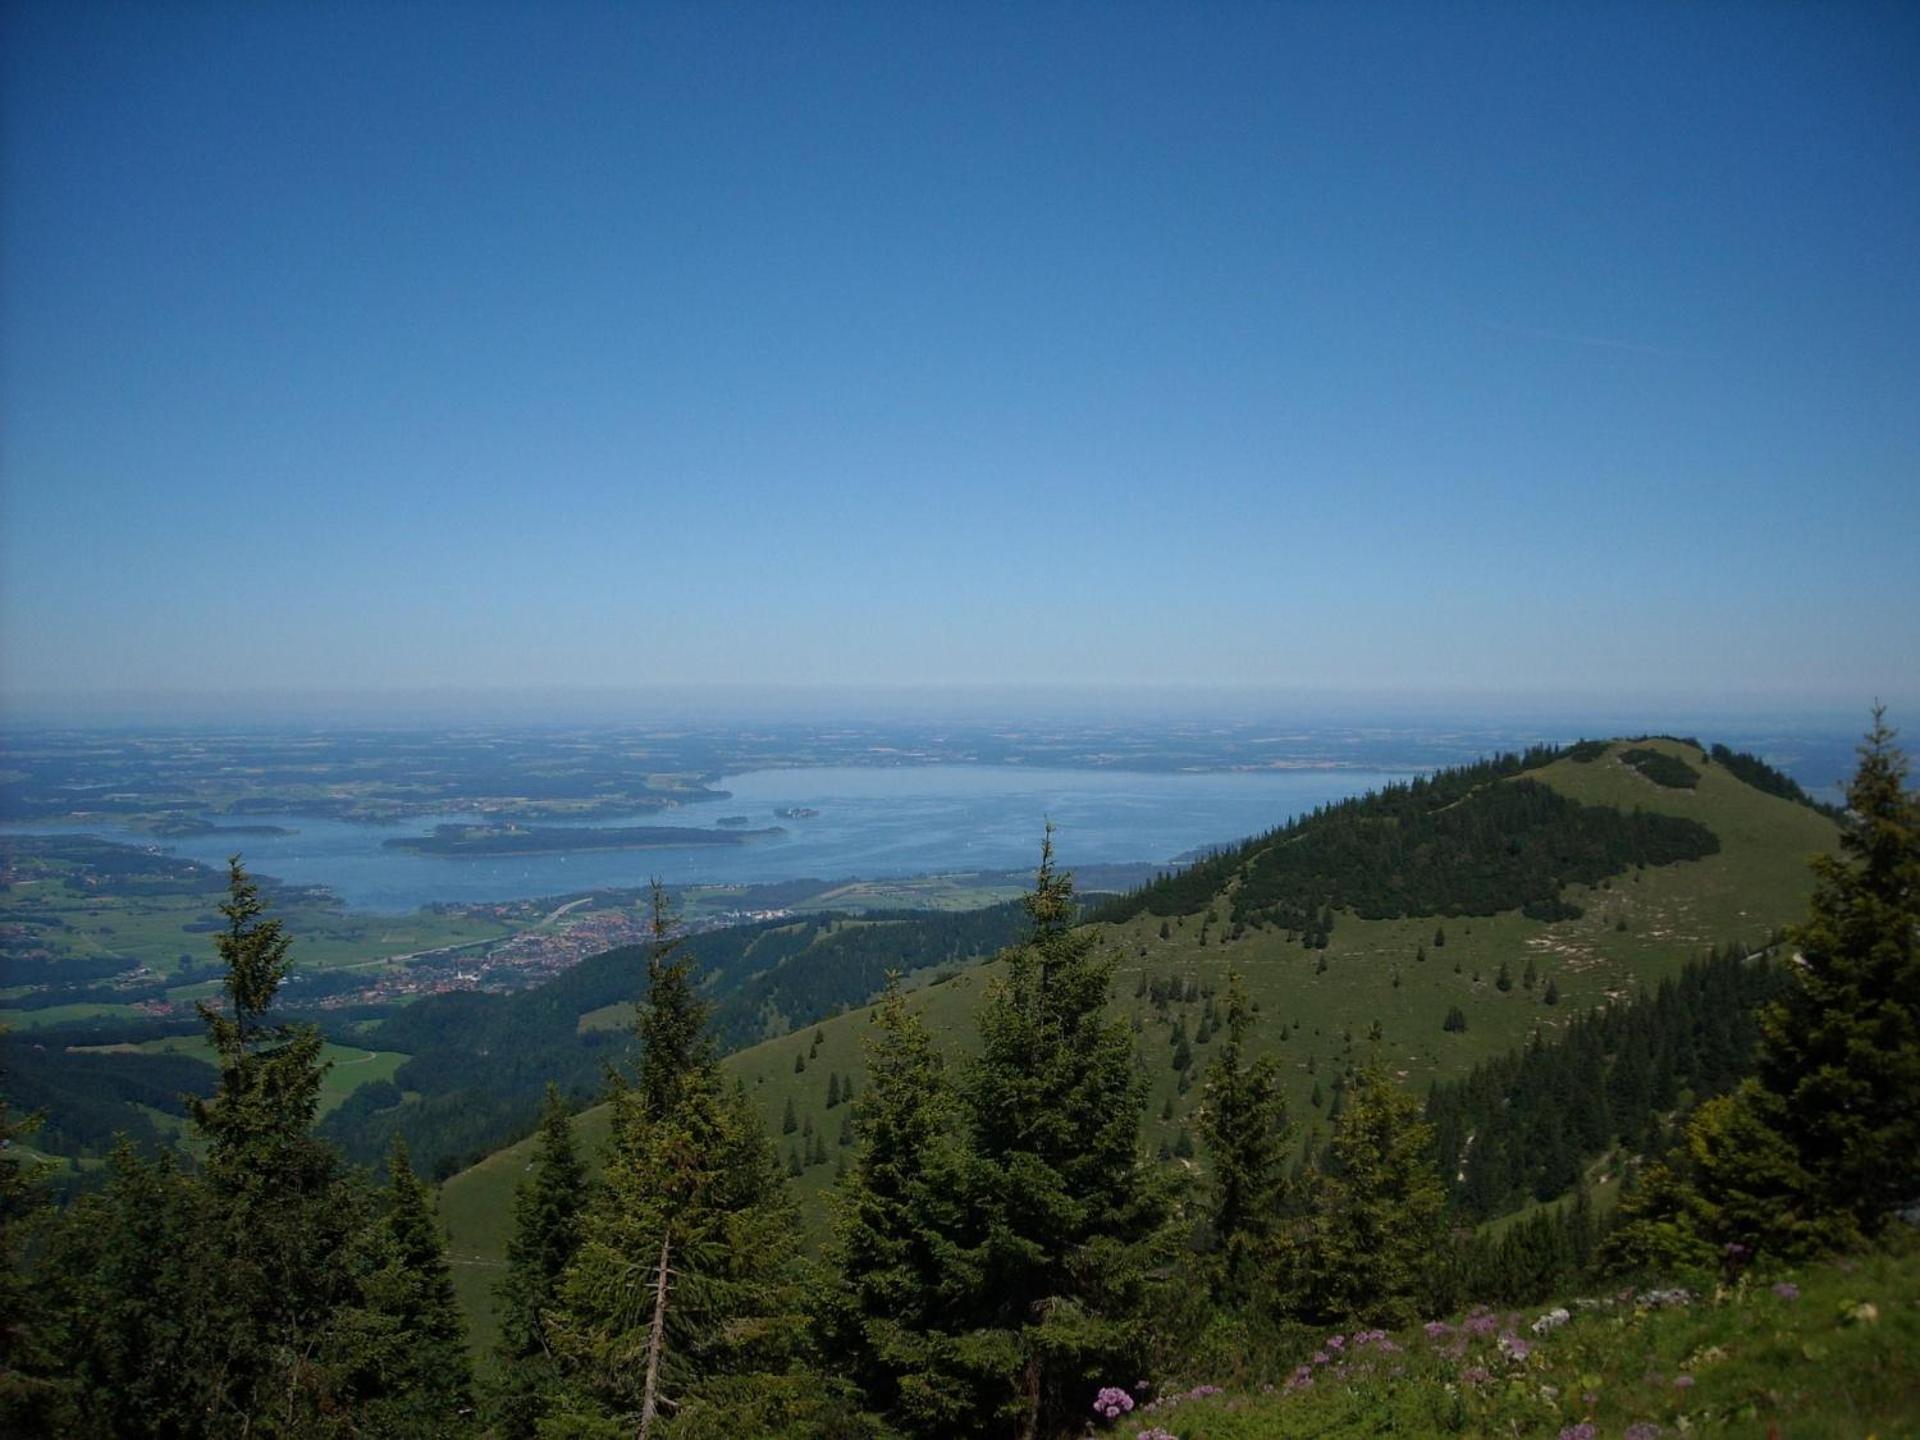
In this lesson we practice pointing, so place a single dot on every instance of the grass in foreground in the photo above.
(1830, 1351)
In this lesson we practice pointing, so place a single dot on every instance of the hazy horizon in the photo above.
(1120, 705)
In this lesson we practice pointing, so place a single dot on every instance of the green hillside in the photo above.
(1635, 928)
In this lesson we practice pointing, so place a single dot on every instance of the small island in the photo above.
(178, 826)
(794, 812)
(733, 822)
(469, 841)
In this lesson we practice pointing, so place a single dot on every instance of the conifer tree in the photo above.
(1243, 1120)
(1820, 1147)
(672, 1023)
(397, 1359)
(132, 1282)
(1075, 1219)
(679, 1311)
(283, 1211)
(1365, 1250)
(34, 1399)
(894, 1249)
(1840, 1058)
(547, 1208)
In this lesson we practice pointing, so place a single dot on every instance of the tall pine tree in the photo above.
(680, 1311)
(281, 1213)
(1075, 1221)
(547, 1207)
(397, 1359)
(900, 1244)
(1364, 1251)
(1819, 1149)
(1244, 1122)
(1840, 1059)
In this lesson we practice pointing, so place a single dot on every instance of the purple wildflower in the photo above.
(1320, 1357)
(1787, 1290)
(1437, 1330)
(1643, 1430)
(1482, 1324)
(1336, 1342)
(1475, 1375)
(1514, 1347)
(1583, 1431)
(1112, 1402)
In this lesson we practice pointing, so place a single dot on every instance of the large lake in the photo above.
(872, 822)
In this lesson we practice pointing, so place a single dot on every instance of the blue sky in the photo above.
(1397, 350)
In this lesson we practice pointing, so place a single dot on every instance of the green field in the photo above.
(1758, 882)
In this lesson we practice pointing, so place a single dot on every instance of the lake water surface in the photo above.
(873, 822)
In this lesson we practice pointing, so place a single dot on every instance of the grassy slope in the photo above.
(1810, 1366)
(1757, 882)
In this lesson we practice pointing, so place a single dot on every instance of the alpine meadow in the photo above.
(873, 722)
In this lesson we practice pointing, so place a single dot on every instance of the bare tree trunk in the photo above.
(1030, 1422)
(656, 1339)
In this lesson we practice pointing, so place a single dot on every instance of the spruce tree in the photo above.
(547, 1208)
(34, 1398)
(672, 1022)
(132, 1284)
(397, 1359)
(901, 1233)
(1820, 1147)
(680, 1308)
(1840, 1057)
(1364, 1252)
(1243, 1120)
(1076, 1219)
(283, 1212)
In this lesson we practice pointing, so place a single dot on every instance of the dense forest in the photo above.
(1523, 1128)
(1474, 840)
(1007, 1259)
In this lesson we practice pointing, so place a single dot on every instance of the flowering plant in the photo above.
(1112, 1402)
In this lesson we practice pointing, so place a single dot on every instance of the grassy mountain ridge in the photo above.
(1320, 1005)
